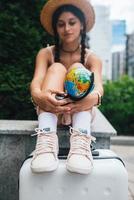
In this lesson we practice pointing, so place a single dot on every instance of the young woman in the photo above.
(68, 21)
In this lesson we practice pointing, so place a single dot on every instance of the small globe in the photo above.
(79, 82)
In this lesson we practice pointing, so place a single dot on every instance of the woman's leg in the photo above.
(46, 153)
(55, 77)
(76, 65)
(80, 157)
(82, 121)
(54, 80)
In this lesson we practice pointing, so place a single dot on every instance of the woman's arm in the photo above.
(41, 66)
(94, 64)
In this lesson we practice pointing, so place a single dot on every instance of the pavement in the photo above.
(124, 147)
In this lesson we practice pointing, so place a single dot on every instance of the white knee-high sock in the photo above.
(82, 121)
(48, 121)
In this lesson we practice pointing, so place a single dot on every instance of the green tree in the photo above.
(118, 104)
(21, 37)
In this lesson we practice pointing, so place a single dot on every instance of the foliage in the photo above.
(118, 104)
(21, 37)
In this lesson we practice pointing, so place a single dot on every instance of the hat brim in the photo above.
(51, 6)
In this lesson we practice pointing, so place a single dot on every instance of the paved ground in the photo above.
(126, 152)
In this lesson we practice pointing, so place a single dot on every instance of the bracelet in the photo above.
(33, 102)
(99, 97)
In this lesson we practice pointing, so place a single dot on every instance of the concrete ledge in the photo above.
(101, 129)
(100, 126)
(17, 127)
(123, 140)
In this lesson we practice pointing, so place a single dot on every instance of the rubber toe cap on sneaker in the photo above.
(44, 163)
(79, 164)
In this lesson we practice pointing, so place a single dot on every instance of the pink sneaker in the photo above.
(45, 157)
(80, 158)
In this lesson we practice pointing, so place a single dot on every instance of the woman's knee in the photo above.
(57, 67)
(77, 64)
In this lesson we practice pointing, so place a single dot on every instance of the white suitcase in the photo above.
(107, 181)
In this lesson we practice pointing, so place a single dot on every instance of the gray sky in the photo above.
(120, 9)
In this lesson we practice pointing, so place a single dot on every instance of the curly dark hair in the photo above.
(77, 12)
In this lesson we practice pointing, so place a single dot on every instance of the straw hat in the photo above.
(51, 6)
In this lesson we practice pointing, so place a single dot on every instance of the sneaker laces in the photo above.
(80, 143)
(46, 142)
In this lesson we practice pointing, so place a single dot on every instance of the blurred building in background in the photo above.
(130, 54)
(101, 38)
(118, 34)
(118, 48)
(118, 64)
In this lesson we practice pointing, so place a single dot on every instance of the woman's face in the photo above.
(68, 27)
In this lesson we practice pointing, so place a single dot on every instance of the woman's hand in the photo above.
(84, 104)
(47, 102)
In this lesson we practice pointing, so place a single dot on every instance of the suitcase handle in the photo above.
(110, 157)
(95, 154)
